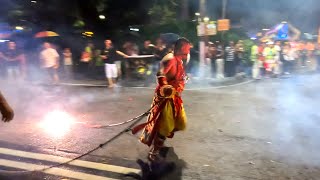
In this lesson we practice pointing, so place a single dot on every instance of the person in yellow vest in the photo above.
(256, 62)
(269, 53)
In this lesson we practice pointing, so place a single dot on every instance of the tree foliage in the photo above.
(163, 11)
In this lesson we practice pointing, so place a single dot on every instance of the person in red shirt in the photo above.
(167, 115)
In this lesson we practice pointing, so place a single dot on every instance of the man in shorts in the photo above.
(109, 56)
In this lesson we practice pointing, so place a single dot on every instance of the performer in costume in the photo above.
(167, 114)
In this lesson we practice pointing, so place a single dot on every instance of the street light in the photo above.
(34, 1)
(206, 19)
(102, 17)
(134, 29)
(19, 28)
(197, 14)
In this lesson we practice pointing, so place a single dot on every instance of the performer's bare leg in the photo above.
(155, 149)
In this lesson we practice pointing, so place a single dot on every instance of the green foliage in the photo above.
(163, 12)
(79, 23)
(248, 43)
(184, 29)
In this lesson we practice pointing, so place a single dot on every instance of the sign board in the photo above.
(201, 29)
(211, 28)
(223, 24)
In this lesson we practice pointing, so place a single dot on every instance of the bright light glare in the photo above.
(3, 40)
(279, 26)
(19, 28)
(197, 14)
(57, 123)
(134, 29)
(206, 19)
(34, 1)
(102, 17)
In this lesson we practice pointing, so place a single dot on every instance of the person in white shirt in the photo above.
(50, 61)
(289, 56)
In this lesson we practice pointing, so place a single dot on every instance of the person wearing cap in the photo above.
(167, 115)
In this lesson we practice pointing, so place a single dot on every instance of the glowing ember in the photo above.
(57, 123)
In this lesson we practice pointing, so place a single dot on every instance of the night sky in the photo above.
(250, 14)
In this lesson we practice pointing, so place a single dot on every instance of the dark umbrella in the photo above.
(169, 38)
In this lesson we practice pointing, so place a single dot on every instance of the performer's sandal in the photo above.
(154, 157)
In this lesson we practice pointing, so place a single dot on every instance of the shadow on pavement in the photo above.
(171, 168)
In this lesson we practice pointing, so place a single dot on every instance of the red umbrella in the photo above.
(46, 34)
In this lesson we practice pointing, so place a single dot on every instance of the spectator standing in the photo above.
(269, 54)
(239, 55)
(109, 55)
(68, 63)
(277, 62)
(99, 64)
(86, 59)
(50, 62)
(147, 49)
(219, 61)
(289, 55)
(160, 50)
(256, 62)
(261, 58)
(229, 63)
(14, 61)
(317, 56)
(303, 53)
(211, 56)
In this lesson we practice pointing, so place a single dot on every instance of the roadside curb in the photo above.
(197, 84)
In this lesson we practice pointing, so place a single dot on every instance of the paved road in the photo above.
(260, 130)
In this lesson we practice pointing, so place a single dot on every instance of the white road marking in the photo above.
(53, 171)
(79, 163)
